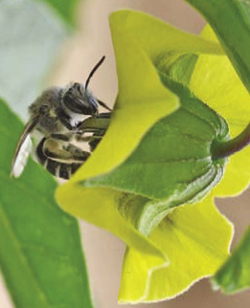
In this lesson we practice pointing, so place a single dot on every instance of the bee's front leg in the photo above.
(95, 124)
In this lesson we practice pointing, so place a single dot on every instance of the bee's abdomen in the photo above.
(58, 169)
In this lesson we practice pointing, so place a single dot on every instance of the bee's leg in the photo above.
(59, 157)
(93, 140)
(63, 137)
(95, 124)
(64, 151)
(95, 134)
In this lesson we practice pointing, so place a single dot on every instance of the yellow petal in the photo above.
(196, 239)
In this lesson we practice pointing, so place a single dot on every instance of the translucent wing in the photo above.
(23, 149)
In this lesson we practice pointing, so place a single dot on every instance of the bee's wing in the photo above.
(23, 149)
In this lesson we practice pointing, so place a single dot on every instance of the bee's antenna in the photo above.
(93, 71)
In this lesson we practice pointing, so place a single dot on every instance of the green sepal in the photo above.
(176, 152)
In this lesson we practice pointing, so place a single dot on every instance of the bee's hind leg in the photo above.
(60, 157)
(64, 151)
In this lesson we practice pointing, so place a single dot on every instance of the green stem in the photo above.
(225, 149)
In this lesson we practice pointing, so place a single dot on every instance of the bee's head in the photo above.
(78, 99)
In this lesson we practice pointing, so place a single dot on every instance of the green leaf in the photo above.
(30, 46)
(65, 8)
(230, 21)
(234, 275)
(40, 256)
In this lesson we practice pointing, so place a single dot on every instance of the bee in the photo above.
(60, 117)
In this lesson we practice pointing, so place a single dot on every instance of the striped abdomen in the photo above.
(57, 168)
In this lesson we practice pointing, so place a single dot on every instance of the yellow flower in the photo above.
(193, 240)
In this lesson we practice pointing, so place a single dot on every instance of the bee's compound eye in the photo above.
(79, 103)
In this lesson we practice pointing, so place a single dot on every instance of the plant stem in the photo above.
(224, 149)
